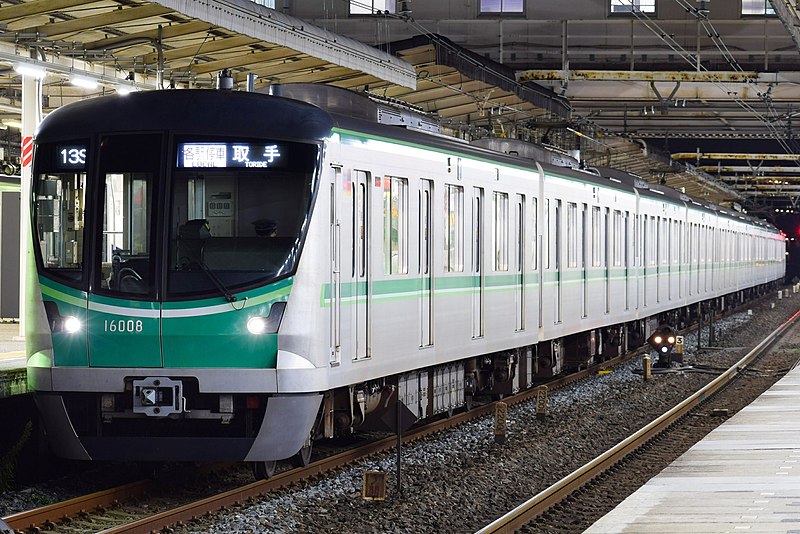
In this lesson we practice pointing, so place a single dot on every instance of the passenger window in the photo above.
(618, 239)
(597, 241)
(454, 228)
(500, 231)
(572, 234)
(395, 225)
(59, 215)
(546, 236)
(535, 247)
(128, 164)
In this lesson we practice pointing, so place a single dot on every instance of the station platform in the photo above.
(744, 476)
(13, 378)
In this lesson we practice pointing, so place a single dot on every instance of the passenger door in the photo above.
(426, 263)
(361, 267)
(519, 263)
(336, 267)
(124, 316)
(478, 270)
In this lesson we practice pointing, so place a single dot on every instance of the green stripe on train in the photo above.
(392, 289)
(208, 332)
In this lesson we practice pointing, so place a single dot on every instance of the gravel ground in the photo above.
(458, 480)
(588, 504)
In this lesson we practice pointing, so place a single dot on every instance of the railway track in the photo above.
(93, 509)
(611, 464)
(108, 511)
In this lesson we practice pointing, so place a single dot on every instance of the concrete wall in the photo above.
(9, 254)
(596, 39)
(443, 10)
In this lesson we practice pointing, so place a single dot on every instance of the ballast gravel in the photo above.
(460, 479)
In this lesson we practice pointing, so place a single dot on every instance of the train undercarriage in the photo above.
(445, 388)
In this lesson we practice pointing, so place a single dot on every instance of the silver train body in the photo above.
(502, 270)
(431, 271)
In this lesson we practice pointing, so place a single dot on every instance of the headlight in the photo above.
(257, 325)
(70, 324)
(657, 340)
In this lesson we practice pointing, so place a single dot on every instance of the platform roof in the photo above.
(159, 43)
(183, 43)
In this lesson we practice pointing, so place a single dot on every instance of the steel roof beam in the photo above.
(734, 155)
(253, 20)
(742, 168)
(277, 54)
(113, 17)
(207, 46)
(307, 64)
(333, 76)
(149, 36)
(789, 17)
(363, 80)
(638, 76)
(39, 7)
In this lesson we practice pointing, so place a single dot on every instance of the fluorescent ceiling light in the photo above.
(30, 70)
(86, 83)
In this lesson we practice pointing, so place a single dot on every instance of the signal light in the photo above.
(662, 340)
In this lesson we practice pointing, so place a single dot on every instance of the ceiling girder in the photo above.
(735, 155)
(638, 76)
(149, 36)
(113, 17)
(38, 7)
(253, 20)
(787, 12)
(207, 46)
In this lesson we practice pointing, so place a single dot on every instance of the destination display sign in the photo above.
(227, 155)
(71, 156)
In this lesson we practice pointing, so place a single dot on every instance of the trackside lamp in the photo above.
(662, 340)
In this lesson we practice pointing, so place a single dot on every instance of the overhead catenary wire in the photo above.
(690, 58)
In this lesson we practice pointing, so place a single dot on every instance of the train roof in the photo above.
(238, 113)
(255, 115)
(604, 176)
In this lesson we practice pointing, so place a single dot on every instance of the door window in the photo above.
(128, 164)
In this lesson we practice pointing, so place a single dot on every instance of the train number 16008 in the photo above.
(123, 325)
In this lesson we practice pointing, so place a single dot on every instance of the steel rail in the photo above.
(45, 515)
(251, 491)
(54, 513)
(536, 505)
(51, 514)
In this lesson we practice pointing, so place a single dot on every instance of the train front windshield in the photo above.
(237, 213)
(233, 218)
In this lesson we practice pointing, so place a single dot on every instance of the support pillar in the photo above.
(31, 116)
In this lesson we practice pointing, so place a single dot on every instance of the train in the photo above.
(230, 275)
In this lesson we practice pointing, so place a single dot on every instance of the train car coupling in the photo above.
(158, 396)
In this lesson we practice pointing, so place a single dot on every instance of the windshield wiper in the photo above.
(219, 285)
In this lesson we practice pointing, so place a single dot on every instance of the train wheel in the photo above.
(303, 457)
(468, 402)
(264, 470)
